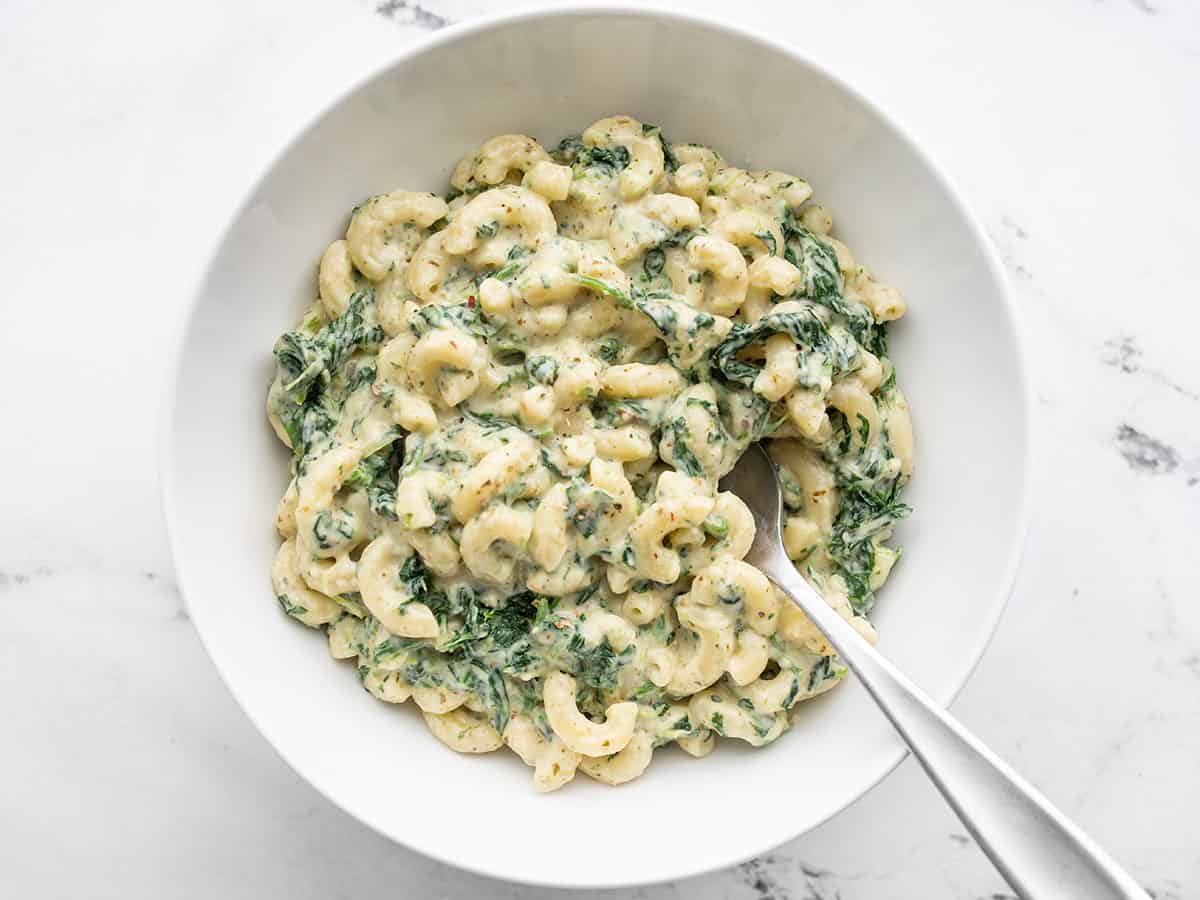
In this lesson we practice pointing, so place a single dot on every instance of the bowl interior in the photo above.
(550, 74)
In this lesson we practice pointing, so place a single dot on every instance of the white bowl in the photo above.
(548, 74)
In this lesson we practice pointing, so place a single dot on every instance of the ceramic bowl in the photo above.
(549, 74)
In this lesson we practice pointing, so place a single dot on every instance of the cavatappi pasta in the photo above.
(509, 410)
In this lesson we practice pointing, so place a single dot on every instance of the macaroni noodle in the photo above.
(509, 410)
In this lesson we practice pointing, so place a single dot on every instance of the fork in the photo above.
(1041, 853)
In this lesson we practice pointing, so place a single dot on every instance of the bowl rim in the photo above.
(185, 319)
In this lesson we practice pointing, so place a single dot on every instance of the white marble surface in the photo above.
(132, 127)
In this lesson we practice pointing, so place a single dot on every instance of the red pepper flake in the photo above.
(471, 302)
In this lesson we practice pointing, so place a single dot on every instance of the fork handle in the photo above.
(1041, 853)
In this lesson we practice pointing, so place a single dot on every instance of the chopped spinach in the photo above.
(823, 284)
(822, 672)
(669, 159)
(378, 475)
(863, 512)
(512, 621)
(803, 326)
(652, 264)
(465, 317)
(609, 160)
(681, 455)
(602, 287)
(663, 315)
(610, 413)
(292, 609)
(769, 240)
(572, 151)
(488, 421)
(542, 369)
(309, 366)
(608, 349)
(597, 666)
(585, 505)
(415, 576)
(567, 150)
(303, 360)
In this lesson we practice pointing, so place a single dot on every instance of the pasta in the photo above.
(509, 409)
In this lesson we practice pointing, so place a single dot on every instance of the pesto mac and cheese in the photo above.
(509, 411)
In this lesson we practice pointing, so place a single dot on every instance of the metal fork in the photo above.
(1041, 853)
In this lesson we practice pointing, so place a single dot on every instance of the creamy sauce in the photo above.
(509, 410)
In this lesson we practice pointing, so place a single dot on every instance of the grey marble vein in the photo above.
(1008, 240)
(1191, 662)
(1145, 454)
(408, 13)
(1124, 354)
(162, 585)
(758, 876)
(775, 877)
(18, 578)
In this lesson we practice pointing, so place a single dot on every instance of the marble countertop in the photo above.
(132, 128)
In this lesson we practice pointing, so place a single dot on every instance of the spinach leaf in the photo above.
(865, 510)
(603, 287)
(823, 284)
(378, 475)
(611, 413)
(304, 360)
(825, 669)
(542, 369)
(682, 457)
(609, 160)
(515, 266)
(363, 376)
(679, 238)
(415, 576)
(669, 158)
(417, 582)
(567, 150)
(652, 265)
(571, 151)
(802, 326)
(769, 240)
(292, 609)
(597, 666)
(585, 505)
(307, 368)
(306, 420)
(663, 315)
(608, 349)
(512, 621)
(465, 317)
(488, 421)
